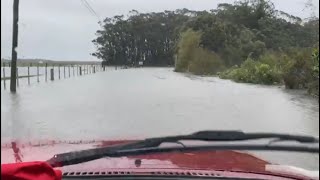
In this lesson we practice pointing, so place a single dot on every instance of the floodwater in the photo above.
(146, 102)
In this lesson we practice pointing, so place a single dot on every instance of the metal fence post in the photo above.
(17, 77)
(52, 74)
(59, 71)
(38, 73)
(29, 75)
(46, 72)
(4, 76)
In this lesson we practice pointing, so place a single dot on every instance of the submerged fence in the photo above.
(36, 72)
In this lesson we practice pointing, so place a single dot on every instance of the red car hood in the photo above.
(206, 161)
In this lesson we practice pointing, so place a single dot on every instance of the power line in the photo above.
(90, 10)
(89, 7)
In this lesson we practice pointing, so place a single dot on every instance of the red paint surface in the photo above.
(230, 161)
(218, 160)
(29, 171)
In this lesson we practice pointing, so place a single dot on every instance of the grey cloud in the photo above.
(63, 29)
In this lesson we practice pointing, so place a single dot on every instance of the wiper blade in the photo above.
(153, 143)
(234, 136)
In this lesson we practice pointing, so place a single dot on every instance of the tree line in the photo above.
(247, 41)
(147, 37)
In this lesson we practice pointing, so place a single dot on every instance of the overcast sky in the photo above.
(63, 29)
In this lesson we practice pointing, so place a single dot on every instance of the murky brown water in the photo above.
(137, 103)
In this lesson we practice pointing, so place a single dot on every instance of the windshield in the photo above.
(83, 74)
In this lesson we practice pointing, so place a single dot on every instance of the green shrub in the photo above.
(205, 62)
(253, 72)
(313, 87)
(297, 74)
(195, 59)
(187, 45)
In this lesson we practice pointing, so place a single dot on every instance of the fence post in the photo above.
(46, 72)
(17, 77)
(4, 76)
(29, 75)
(52, 74)
(38, 73)
(59, 71)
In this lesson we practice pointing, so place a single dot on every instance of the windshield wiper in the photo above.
(151, 145)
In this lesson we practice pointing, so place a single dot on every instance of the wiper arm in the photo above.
(153, 143)
(232, 136)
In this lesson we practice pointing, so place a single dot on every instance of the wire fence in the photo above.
(36, 73)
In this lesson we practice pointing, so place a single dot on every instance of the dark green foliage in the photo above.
(257, 42)
(146, 37)
(298, 72)
(314, 84)
(253, 72)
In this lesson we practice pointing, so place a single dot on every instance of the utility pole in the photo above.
(14, 55)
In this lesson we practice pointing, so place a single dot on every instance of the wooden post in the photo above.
(80, 71)
(59, 71)
(4, 76)
(38, 73)
(28, 75)
(52, 74)
(14, 54)
(69, 70)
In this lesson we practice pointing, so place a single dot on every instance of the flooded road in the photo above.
(138, 103)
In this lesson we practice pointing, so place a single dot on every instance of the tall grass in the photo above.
(195, 59)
